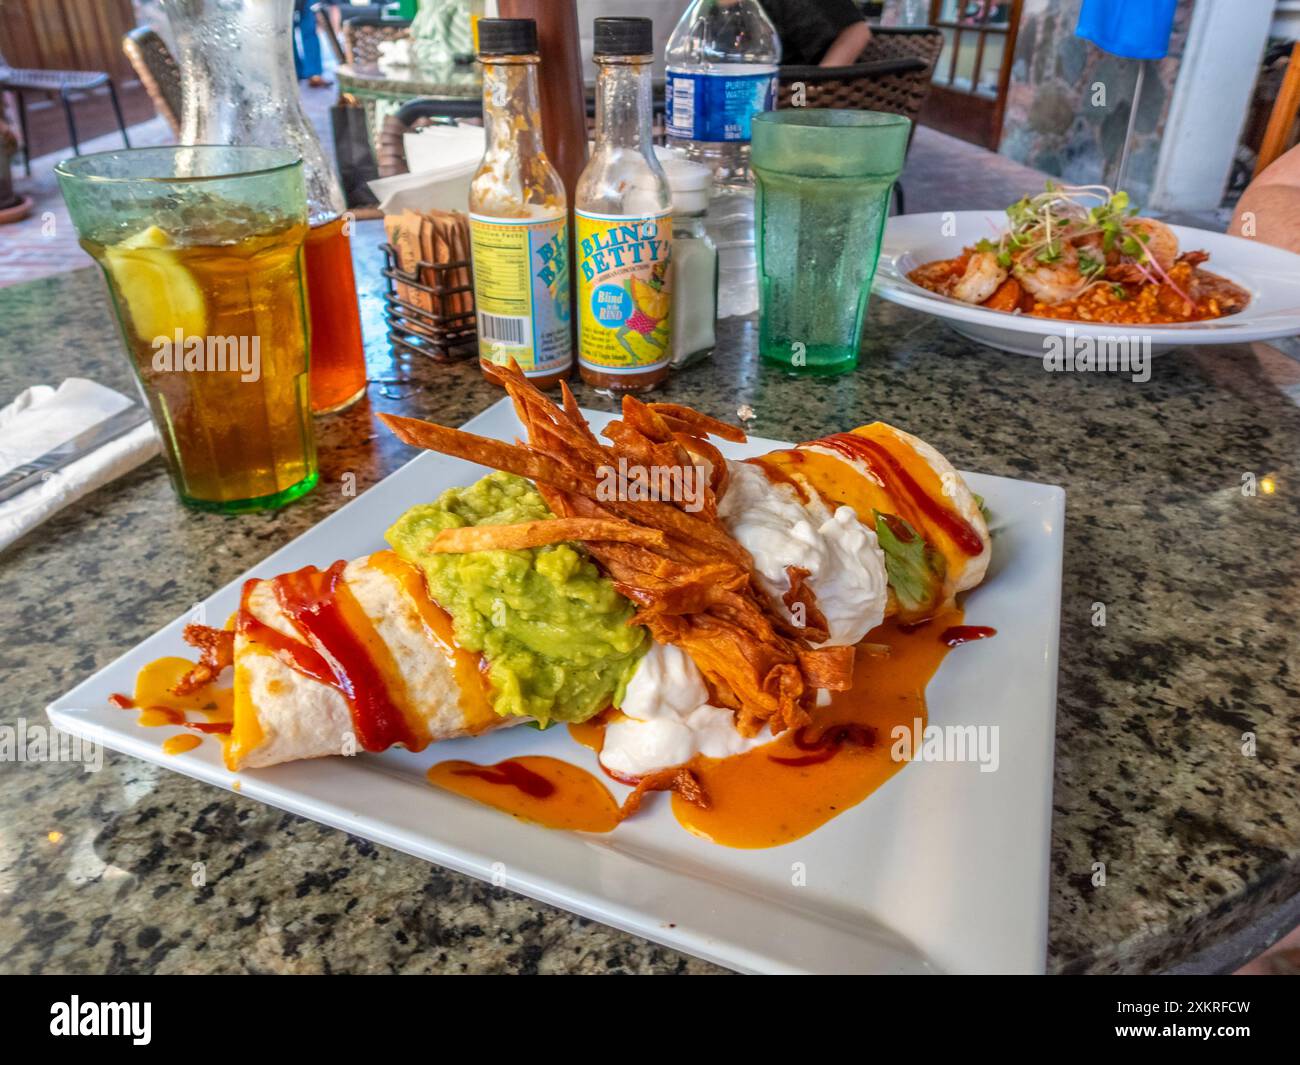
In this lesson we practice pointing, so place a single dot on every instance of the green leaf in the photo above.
(915, 569)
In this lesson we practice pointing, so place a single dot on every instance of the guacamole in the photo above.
(554, 632)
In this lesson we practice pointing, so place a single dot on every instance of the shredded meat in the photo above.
(698, 591)
(216, 651)
(815, 627)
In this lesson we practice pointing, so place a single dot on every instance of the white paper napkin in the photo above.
(42, 418)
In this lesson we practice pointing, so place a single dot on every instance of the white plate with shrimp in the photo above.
(1269, 276)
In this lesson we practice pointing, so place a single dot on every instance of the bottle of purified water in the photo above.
(722, 63)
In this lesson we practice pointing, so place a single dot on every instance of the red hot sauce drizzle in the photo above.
(512, 774)
(960, 634)
(888, 470)
(825, 746)
(336, 656)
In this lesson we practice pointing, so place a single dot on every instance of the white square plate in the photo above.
(944, 868)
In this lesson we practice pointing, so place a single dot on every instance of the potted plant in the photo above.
(12, 205)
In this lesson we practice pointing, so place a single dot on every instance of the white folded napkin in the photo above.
(42, 418)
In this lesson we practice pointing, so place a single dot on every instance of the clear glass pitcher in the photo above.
(238, 87)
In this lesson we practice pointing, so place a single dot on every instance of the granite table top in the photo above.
(1200, 581)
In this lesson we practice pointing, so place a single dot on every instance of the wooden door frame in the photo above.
(972, 117)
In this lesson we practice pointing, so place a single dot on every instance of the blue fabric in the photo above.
(1135, 29)
(306, 45)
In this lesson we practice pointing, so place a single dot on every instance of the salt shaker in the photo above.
(695, 261)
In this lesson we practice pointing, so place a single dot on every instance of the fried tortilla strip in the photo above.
(830, 667)
(216, 652)
(693, 422)
(512, 458)
(676, 778)
(696, 589)
(540, 533)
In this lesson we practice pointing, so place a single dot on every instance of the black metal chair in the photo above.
(62, 83)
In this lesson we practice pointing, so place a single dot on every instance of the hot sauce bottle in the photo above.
(518, 216)
(623, 221)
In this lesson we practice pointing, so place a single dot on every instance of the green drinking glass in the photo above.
(823, 180)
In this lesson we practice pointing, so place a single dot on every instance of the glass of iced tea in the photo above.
(202, 250)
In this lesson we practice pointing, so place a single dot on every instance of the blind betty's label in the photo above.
(624, 291)
(521, 282)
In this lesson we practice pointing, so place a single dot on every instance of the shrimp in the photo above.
(982, 277)
(1053, 281)
(1161, 244)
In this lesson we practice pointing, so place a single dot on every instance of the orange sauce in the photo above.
(469, 667)
(908, 487)
(180, 743)
(785, 789)
(157, 705)
(591, 733)
(534, 788)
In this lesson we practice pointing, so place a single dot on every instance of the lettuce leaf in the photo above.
(915, 570)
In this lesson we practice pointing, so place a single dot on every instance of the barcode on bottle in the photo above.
(502, 328)
(681, 119)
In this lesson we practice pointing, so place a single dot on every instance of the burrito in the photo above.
(354, 657)
(410, 646)
(857, 527)
(460, 628)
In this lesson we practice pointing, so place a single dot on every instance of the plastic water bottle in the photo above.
(722, 63)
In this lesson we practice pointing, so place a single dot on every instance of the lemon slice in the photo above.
(160, 294)
(649, 300)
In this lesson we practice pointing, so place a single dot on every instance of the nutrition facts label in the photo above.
(521, 288)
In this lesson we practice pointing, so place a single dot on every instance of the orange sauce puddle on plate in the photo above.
(536, 788)
(755, 801)
(591, 733)
(768, 796)
(180, 743)
(210, 709)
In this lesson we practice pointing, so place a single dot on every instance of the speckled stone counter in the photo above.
(1201, 585)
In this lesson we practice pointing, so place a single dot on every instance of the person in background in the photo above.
(306, 45)
(825, 33)
(1269, 209)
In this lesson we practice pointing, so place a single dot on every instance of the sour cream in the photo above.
(668, 719)
(846, 567)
